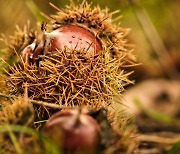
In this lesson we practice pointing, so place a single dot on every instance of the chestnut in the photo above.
(73, 131)
(30, 53)
(38, 51)
(27, 53)
(72, 37)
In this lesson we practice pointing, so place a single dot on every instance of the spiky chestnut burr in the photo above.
(16, 111)
(74, 131)
(69, 77)
(72, 77)
(17, 43)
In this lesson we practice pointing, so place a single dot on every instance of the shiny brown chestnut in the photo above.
(73, 131)
(72, 37)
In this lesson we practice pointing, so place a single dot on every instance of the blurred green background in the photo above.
(154, 24)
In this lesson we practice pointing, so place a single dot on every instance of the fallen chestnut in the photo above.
(73, 131)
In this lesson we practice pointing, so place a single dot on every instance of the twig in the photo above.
(6, 96)
(45, 104)
(54, 106)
